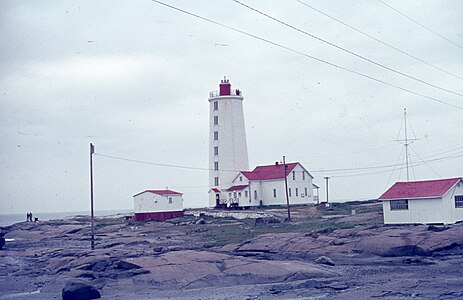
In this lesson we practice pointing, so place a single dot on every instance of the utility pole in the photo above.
(327, 198)
(286, 186)
(92, 150)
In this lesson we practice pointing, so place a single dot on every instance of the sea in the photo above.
(9, 219)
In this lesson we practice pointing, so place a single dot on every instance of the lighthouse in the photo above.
(228, 153)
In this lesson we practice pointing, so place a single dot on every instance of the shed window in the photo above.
(399, 204)
(458, 201)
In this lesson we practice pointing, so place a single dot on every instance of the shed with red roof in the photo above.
(158, 205)
(424, 202)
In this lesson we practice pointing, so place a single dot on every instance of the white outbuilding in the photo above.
(424, 202)
(158, 205)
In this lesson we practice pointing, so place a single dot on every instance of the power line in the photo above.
(425, 163)
(379, 41)
(316, 171)
(418, 23)
(402, 166)
(307, 55)
(346, 50)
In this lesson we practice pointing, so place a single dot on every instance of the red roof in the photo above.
(269, 172)
(216, 190)
(419, 189)
(160, 192)
(237, 188)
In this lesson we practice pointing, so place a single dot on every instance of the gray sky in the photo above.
(133, 77)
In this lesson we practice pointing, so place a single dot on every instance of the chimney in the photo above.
(276, 163)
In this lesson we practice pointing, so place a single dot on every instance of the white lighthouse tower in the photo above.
(228, 152)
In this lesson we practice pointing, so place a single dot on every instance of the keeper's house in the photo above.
(424, 202)
(158, 205)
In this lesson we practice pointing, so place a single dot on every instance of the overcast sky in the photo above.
(133, 77)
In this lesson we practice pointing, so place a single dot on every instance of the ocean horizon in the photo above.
(10, 219)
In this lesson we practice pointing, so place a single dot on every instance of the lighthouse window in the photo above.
(216, 105)
(216, 165)
(216, 150)
(216, 120)
(216, 181)
(216, 135)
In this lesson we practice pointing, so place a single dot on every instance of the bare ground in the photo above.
(246, 258)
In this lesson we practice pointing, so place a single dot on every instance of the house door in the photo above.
(217, 199)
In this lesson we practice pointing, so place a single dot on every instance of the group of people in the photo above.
(29, 217)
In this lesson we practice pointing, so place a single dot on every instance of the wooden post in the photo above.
(92, 150)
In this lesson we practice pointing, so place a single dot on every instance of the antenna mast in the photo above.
(406, 142)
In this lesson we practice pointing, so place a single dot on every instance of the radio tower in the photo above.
(406, 142)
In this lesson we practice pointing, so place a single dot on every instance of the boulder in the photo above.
(157, 249)
(201, 221)
(325, 260)
(79, 290)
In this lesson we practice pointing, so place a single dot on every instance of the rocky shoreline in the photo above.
(320, 254)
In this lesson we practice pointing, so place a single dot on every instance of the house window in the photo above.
(303, 176)
(216, 181)
(216, 105)
(255, 195)
(239, 194)
(216, 135)
(170, 200)
(399, 204)
(216, 150)
(274, 193)
(234, 194)
(229, 195)
(305, 190)
(458, 201)
(246, 194)
(241, 178)
(294, 175)
(289, 192)
(216, 120)
(297, 192)
(216, 165)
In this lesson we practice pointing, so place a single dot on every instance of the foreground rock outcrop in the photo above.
(329, 256)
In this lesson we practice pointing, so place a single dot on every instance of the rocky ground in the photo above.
(320, 254)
